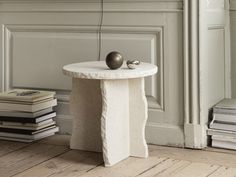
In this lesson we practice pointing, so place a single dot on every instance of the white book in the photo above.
(221, 126)
(38, 135)
(224, 142)
(19, 124)
(227, 103)
(227, 118)
(7, 113)
(28, 108)
(226, 106)
(224, 138)
(28, 127)
(224, 111)
(221, 133)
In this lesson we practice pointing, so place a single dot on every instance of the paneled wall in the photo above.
(39, 37)
(214, 61)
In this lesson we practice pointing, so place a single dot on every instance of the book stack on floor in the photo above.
(27, 115)
(223, 126)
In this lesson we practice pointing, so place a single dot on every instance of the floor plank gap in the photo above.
(95, 167)
(152, 167)
(213, 171)
(14, 150)
(42, 162)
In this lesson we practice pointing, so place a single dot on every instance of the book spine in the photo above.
(20, 131)
(29, 120)
(18, 119)
(223, 126)
(28, 108)
(23, 131)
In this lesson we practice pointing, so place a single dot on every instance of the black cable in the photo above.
(100, 31)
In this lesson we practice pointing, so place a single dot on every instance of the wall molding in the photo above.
(227, 59)
(195, 28)
(191, 73)
(157, 31)
(233, 42)
(216, 27)
(76, 6)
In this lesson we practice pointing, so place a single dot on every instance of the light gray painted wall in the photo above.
(38, 37)
(214, 69)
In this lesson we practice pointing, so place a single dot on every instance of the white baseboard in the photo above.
(159, 134)
(164, 134)
(196, 136)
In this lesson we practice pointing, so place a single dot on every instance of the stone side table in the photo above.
(109, 109)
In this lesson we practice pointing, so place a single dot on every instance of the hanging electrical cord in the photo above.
(100, 31)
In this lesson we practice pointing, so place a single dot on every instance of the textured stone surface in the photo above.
(115, 120)
(99, 70)
(86, 109)
(138, 114)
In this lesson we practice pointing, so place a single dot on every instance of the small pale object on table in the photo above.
(132, 64)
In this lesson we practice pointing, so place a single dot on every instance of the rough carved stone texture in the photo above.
(115, 120)
(109, 114)
(138, 114)
(99, 70)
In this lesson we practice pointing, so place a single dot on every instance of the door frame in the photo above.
(195, 50)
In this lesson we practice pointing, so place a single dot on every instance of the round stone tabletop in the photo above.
(99, 70)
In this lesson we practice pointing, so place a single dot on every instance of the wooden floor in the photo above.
(52, 157)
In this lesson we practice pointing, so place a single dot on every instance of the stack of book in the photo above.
(27, 115)
(223, 126)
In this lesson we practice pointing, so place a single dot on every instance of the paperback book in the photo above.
(28, 119)
(222, 128)
(27, 115)
(226, 106)
(28, 107)
(27, 124)
(37, 134)
(21, 131)
(223, 133)
(225, 118)
(7, 113)
(23, 127)
(25, 95)
(224, 142)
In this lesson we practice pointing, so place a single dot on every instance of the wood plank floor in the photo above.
(52, 157)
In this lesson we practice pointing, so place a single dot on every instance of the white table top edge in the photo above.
(99, 70)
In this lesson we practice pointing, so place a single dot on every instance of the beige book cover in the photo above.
(28, 107)
(25, 95)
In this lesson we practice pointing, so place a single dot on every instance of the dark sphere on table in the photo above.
(114, 60)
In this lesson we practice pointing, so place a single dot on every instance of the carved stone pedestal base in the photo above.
(109, 116)
(109, 109)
